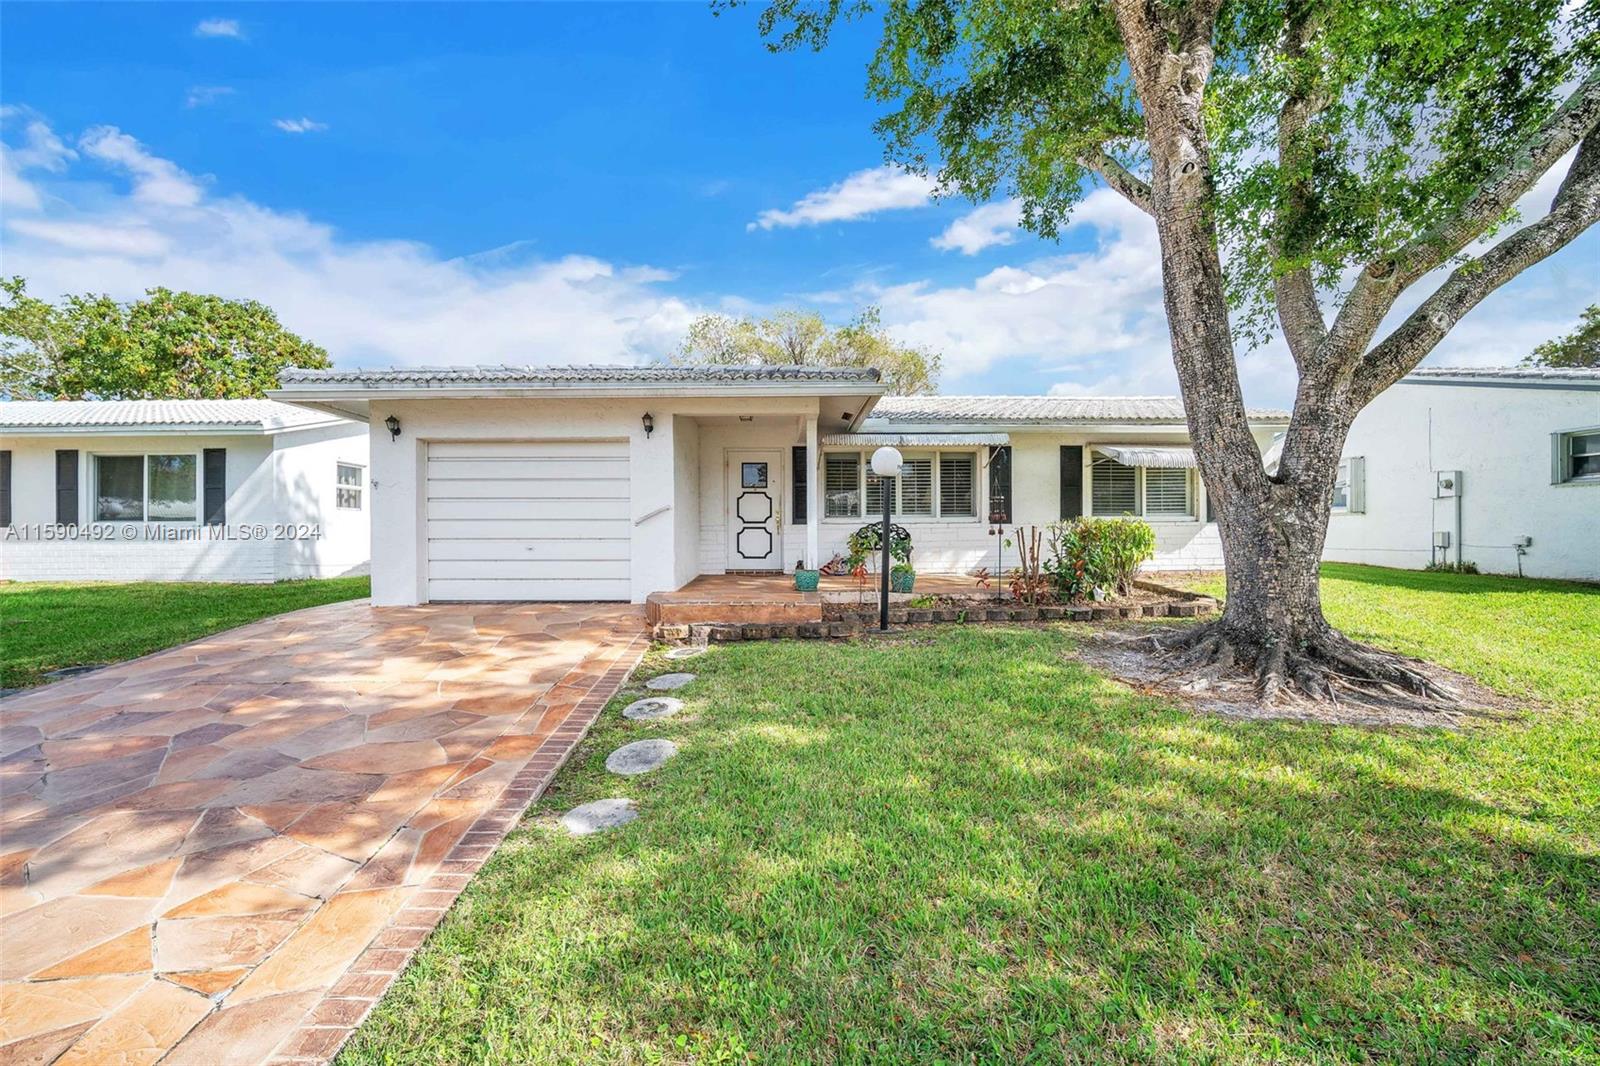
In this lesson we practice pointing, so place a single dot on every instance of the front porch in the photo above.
(772, 598)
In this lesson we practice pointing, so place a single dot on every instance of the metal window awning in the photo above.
(1147, 454)
(914, 440)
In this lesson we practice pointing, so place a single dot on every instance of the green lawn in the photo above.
(963, 847)
(47, 627)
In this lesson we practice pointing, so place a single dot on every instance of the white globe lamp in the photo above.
(887, 461)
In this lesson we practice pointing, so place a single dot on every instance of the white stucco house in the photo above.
(1497, 467)
(180, 490)
(611, 483)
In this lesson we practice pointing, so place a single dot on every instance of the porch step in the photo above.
(678, 608)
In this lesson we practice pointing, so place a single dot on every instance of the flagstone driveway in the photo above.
(221, 853)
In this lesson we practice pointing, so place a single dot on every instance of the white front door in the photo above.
(755, 515)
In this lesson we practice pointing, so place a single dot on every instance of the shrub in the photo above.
(1452, 568)
(866, 545)
(1091, 553)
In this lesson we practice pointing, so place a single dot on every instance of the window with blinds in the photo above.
(841, 485)
(958, 485)
(1166, 491)
(1116, 487)
(916, 488)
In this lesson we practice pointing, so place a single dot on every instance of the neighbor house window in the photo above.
(1349, 488)
(1576, 456)
(930, 485)
(1152, 491)
(146, 488)
(347, 494)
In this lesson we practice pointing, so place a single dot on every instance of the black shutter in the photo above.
(66, 486)
(1000, 484)
(799, 478)
(5, 488)
(215, 463)
(1071, 480)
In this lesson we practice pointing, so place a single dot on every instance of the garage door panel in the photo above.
(511, 529)
(528, 520)
(546, 569)
(573, 549)
(500, 589)
(578, 511)
(527, 449)
(527, 469)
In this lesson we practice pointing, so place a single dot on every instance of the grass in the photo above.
(49, 627)
(962, 846)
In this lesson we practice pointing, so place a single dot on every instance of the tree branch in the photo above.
(1118, 177)
(1381, 283)
(1576, 207)
(1295, 290)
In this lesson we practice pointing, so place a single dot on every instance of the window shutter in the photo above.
(841, 485)
(1358, 486)
(799, 478)
(958, 489)
(916, 489)
(66, 486)
(1166, 491)
(216, 485)
(1000, 484)
(5, 488)
(1558, 458)
(1071, 480)
(1114, 489)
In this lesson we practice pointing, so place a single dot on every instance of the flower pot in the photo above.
(902, 580)
(807, 580)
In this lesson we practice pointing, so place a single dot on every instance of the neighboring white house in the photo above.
(610, 483)
(1497, 467)
(180, 490)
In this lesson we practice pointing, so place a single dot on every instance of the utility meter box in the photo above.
(1447, 483)
(1441, 538)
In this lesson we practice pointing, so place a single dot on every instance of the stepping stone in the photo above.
(668, 682)
(685, 653)
(652, 707)
(599, 815)
(640, 757)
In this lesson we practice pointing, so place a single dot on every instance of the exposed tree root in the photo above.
(1199, 657)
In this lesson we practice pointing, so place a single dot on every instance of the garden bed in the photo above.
(843, 621)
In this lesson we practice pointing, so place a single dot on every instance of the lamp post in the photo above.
(886, 463)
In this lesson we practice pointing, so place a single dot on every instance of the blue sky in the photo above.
(409, 183)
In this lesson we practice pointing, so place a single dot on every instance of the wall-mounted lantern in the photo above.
(394, 426)
(649, 424)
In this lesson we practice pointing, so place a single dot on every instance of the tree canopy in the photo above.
(1578, 349)
(804, 338)
(168, 345)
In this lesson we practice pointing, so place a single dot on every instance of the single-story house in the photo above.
(611, 483)
(180, 490)
(1498, 467)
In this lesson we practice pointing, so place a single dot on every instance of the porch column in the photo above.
(811, 493)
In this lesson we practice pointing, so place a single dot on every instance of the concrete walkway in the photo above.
(224, 852)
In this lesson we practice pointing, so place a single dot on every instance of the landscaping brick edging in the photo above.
(342, 1009)
(1179, 603)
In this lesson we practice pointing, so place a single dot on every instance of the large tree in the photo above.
(169, 345)
(804, 338)
(1305, 163)
(1578, 349)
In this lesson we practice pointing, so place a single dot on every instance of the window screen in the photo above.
(1166, 491)
(348, 492)
(172, 488)
(1585, 456)
(841, 485)
(916, 488)
(118, 488)
(958, 485)
(1341, 488)
(1115, 488)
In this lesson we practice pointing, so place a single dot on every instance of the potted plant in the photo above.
(902, 578)
(806, 580)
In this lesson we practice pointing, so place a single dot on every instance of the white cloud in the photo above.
(201, 95)
(219, 28)
(984, 227)
(368, 302)
(40, 149)
(299, 125)
(863, 193)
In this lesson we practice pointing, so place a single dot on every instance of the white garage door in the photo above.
(528, 520)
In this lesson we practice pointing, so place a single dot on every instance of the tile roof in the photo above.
(650, 374)
(1507, 373)
(1041, 410)
(265, 415)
